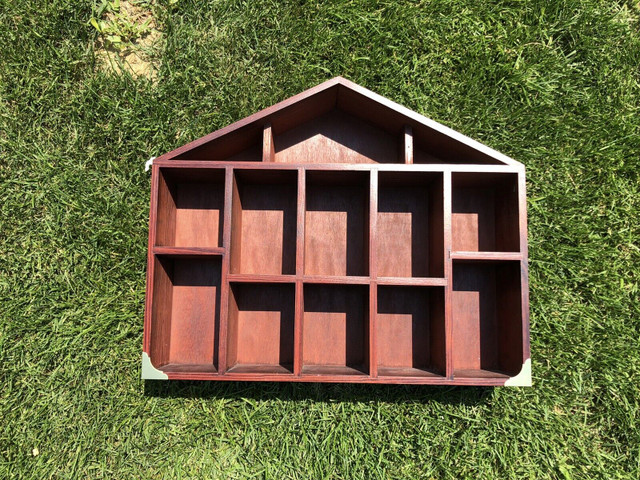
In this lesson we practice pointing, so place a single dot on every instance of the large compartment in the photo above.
(410, 225)
(337, 223)
(263, 226)
(487, 318)
(410, 331)
(260, 328)
(335, 328)
(186, 313)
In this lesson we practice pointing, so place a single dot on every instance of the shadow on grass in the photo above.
(320, 392)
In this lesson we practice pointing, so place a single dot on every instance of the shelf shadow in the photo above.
(320, 392)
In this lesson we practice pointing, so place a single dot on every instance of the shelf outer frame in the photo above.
(344, 91)
(299, 279)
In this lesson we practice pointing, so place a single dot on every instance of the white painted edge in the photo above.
(148, 163)
(149, 372)
(523, 379)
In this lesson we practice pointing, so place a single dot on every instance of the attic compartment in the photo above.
(336, 137)
(241, 145)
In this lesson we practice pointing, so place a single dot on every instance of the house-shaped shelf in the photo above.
(337, 237)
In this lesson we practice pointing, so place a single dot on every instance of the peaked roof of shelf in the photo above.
(441, 144)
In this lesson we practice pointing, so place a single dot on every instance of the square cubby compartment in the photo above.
(185, 314)
(337, 223)
(260, 328)
(335, 330)
(410, 331)
(263, 223)
(410, 225)
(485, 213)
(190, 207)
(487, 318)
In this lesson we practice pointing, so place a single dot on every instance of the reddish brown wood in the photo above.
(190, 205)
(226, 264)
(268, 147)
(189, 318)
(486, 313)
(188, 251)
(261, 325)
(265, 240)
(410, 330)
(410, 233)
(337, 237)
(485, 213)
(448, 273)
(337, 224)
(407, 150)
(336, 137)
(373, 272)
(335, 329)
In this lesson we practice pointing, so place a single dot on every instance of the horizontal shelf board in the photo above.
(261, 368)
(326, 370)
(480, 373)
(188, 251)
(486, 256)
(361, 378)
(328, 279)
(401, 167)
(406, 372)
(188, 368)
(412, 281)
(256, 278)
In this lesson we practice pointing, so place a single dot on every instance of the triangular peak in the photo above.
(339, 122)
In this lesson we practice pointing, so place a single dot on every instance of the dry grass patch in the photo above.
(129, 38)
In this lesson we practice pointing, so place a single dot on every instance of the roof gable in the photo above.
(339, 121)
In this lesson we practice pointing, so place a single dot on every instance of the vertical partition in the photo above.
(300, 239)
(373, 272)
(224, 293)
(448, 271)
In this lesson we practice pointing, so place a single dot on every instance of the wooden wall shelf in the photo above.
(337, 237)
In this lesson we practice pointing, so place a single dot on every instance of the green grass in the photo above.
(554, 84)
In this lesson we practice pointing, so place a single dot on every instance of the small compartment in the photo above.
(485, 212)
(263, 226)
(260, 328)
(487, 318)
(335, 330)
(185, 314)
(410, 225)
(337, 223)
(190, 207)
(410, 331)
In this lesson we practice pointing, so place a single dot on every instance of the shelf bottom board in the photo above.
(188, 368)
(332, 370)
(261, 368)
(480, 373)
(405, 372)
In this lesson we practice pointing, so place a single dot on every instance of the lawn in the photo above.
(553, 84)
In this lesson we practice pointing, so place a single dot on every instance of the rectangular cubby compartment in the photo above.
(410, 331)
(410, 225)
(260, 328)
(487, 319)
(186, 314)
(190, 207)
(485, 212)
(337, 223)
(335, 330)
(263, 225)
